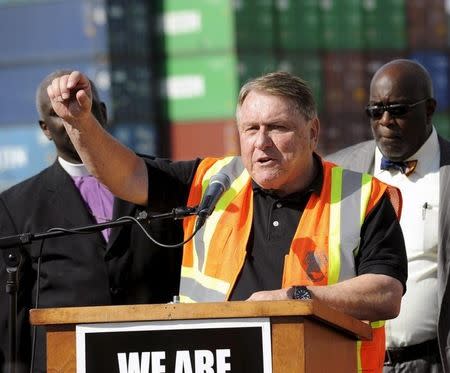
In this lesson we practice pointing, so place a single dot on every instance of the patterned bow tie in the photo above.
(406, 167)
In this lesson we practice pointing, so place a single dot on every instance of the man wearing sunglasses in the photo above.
(408, 153)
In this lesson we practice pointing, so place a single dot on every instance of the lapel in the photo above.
(444, 218)
(66, 201)
(365, 161)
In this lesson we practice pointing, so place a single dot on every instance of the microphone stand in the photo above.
(14, 257)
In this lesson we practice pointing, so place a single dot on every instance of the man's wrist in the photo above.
(300, 292)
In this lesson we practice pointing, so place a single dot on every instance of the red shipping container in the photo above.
(344, 82)
(204, 139)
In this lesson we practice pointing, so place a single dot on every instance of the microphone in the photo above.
(218, 185)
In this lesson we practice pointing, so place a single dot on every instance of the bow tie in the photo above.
(405, 167)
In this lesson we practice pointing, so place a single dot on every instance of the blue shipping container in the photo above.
(437, 65)
(18, 100)
(24, 151)
(52, 29)
(140, 137)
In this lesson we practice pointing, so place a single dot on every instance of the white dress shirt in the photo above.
(417, 320)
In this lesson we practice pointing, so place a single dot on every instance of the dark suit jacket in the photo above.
(361, 157)
(80, 270)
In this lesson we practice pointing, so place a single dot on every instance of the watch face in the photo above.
(301, 292)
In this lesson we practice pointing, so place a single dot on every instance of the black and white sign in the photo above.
(212, 346)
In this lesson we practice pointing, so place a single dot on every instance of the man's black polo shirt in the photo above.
(275, 221)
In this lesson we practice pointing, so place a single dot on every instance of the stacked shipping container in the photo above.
(174, 67)
(37, 38)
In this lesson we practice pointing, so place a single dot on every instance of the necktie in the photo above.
(405, 167)
(98, 198)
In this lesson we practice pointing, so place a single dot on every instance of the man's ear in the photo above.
(431, 107)
(44, 129)
(314, 132)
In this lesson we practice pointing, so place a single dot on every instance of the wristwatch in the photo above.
(301, 293)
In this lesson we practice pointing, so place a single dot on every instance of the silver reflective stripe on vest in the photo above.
(199, 293)
(350, 222)
(233, 170)
(189, 286)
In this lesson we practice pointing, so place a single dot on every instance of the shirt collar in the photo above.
(425, 156)
(73, 169)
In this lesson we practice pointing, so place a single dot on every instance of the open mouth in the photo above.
(264, 160)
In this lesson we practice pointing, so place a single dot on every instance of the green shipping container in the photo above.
(308, 67)
(384, 24)
(192, 27)
(201, 87)
(207, 86)
(341, 24)
(253, 65)
(298, 24)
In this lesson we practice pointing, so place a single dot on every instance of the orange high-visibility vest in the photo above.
(328, 234)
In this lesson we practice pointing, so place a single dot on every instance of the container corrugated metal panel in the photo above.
(201, 87)
(427, 24)
(206, 87)
(132, 92)
(299, 24)
(341, 130)
(24, 151)
(130, 25)
(141, 137)
(254, 27)
(188, 26)
(18, 102)
(341, 24)
(253, 65)
(204, 138)
(437, 64)
(52, 30)
(308, 66)
(384, 24)
(344, 82)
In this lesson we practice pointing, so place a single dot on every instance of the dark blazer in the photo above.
(361, 157)
(79, 270)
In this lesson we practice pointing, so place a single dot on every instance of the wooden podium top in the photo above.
(195, 311)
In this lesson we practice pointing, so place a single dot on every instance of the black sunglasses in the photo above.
(394, 110)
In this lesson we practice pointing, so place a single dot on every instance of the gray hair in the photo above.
(285, 85)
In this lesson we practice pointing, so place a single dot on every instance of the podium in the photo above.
(306, 336)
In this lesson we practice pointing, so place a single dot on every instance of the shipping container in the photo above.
(344, 82)
(49, 30)
(427, 24)
(201, 87)
(253, 65)
(216, 138)
(18, 101)
(437, 64)
(341, 22)
(141, 137)
(307, 66)
(24, 151)
(133, 92)
(341, 130)
(299, 25)
(193, 27)
(130, 25)
(384, 24)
